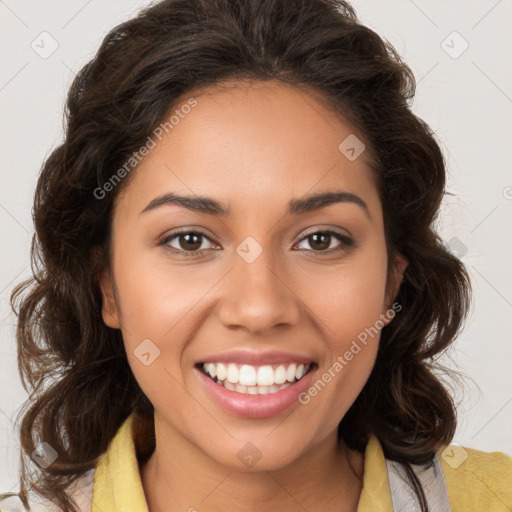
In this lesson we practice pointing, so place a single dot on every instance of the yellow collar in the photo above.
(117, 483)
(118, 487)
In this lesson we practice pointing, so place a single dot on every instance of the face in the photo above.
(272, 282)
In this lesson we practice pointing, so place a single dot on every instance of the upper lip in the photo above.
(256, 359)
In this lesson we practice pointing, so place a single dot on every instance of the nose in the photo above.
(257, 296)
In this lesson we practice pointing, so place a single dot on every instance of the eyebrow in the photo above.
(203, 204)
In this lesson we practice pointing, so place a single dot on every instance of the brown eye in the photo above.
(320, 241)
(190, 241)
(186, 242)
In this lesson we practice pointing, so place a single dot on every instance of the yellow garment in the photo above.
(482, 482)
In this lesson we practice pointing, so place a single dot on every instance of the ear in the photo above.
(395, 278)
(109, 308)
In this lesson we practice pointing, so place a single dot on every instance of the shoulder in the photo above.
(477, 480)
(80, 490)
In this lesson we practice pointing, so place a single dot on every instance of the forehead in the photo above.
(256, 143)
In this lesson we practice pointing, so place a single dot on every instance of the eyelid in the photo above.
(327, 229)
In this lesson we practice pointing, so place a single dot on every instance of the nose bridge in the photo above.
(257, 296)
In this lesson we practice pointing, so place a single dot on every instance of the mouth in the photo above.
(249, 379)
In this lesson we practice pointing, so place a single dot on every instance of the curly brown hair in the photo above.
(75, 367)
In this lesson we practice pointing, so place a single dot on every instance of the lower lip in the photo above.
(255, 406)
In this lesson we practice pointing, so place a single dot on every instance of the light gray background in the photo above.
(467, 100)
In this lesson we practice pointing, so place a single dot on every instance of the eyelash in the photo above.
(346, 242)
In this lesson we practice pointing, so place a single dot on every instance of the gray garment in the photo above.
(432, 480)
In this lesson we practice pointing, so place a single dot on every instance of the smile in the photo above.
(255, 391)
(255, 380)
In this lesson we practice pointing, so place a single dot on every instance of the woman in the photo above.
(238, 290)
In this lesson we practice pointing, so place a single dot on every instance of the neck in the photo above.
(178, 477)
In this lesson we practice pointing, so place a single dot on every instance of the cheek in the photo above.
(155, 302)
(348, 303)
(348, 298)
(155, 296)
(351, 323)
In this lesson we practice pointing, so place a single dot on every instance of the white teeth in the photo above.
(221, 371)
(232, 373)
(255, 379)
(265, 376)
(253, 390)
(280, 375)
(290, 373)
(247, 375)
(229, 385)
(211, 369)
